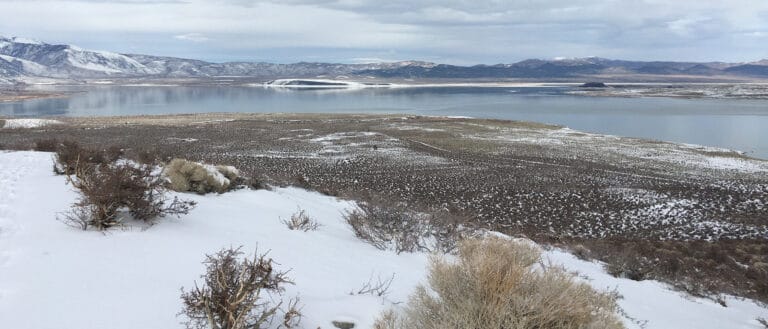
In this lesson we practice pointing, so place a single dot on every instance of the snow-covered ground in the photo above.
(54, 276)
(28, 123)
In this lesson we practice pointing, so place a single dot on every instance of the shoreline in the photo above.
(190, 119)
(20, 96)
(194, 119)
(751, 90)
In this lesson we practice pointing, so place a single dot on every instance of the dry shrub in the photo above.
(46, 145)
(107, 190)
(188, 176)
(630, 266)
(147, 156)
(391, 226)
(231, 294)
(379, 287)
(580, 251)
(69, 155)
(700, 268)
(301, 221)
(494, 283)
(113, 153)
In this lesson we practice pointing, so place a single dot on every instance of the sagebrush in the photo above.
(392, 226)
(108, 190)
(301, 221)
(70, 154)
(189, 176)
(499, 283)
(231, 295)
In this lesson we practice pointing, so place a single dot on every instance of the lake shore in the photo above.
(691, 91)
(670, 89)
(23, 95)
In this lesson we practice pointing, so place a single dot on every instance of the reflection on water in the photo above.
(737, 124)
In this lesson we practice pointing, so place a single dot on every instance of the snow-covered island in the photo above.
(322, 83)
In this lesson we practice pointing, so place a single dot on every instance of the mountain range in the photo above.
(23, 59)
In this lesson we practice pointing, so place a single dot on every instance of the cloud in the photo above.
(194, 37)
(457, 31)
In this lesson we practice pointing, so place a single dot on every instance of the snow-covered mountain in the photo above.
(37, 58)
(23, 58)
(179, 67)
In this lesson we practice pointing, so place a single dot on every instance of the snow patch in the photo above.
(29, 123)
(320, 83)
(26, 41)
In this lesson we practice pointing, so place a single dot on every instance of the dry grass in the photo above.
(495, 283)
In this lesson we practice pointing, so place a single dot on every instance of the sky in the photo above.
(445, 31)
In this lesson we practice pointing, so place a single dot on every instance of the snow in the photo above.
(216, 174)
(102, 61)
(690, 156)
(28, 66)
(729, 163)
(29, 123)
(55, 276)
(318, 83)
(653, 305)
(26, 41)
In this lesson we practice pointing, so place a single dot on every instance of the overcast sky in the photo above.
(446, 31)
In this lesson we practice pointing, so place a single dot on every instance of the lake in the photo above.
(731, 123)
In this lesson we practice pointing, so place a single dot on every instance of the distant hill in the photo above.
(23, 58)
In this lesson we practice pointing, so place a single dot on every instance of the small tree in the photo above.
(230, 297)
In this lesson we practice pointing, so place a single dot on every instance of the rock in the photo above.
(343, 324)
(594, 85)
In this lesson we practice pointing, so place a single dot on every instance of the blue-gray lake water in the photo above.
(730, 123)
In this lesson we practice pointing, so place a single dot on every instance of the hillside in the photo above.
(21, 59)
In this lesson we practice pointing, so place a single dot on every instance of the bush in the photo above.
(69, 155)
(300, 221)
(635, 268)
(494, 284)
(108, 189)
(385, 226)
(230, 296)
(188, 176)
(46, 145)
(580, 251)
